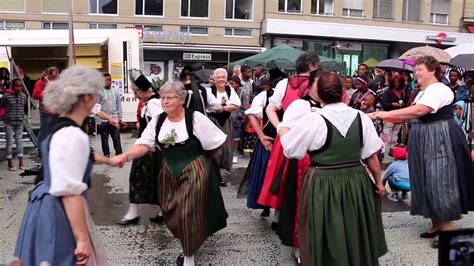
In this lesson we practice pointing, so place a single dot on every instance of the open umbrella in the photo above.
(463, 60)
(466, 48)
(439, 54)
(371, 62)
(394, 65)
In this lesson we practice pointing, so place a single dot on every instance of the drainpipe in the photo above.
(261, 39)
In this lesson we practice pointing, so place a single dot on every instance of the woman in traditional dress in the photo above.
(144, 170)
(340, 216)
(188, 190)
(223, 120)
(438, 155)
(57, 227)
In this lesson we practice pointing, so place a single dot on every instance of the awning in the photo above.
(48, 38)
(32, 42)
(470, 28)
(196, 47)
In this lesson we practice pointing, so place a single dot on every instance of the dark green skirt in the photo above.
(340, 218)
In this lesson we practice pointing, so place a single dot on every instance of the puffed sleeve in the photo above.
(279, 93)
(258, 105)
(294, 112)
(154, 107)
(210, 136)
(148, 136)
(212, 103)
(234, 98)
(309, 133)
(97, 107)
(68, 158)
(371, 142)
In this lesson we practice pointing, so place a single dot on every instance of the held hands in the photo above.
(377, 115)
(83, 251)
(266, 142)
(115, 123)
(119, 160)
(379, 189)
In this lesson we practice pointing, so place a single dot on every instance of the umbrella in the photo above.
(394, 65)
(463, 60)
(467, 48)
(202, 75)
(438, 54)
(371, 62)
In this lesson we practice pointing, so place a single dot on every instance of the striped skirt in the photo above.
(433, 172)
(224, 158)
(184, 202)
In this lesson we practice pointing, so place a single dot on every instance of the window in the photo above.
(103, 6)
(293, 6)
(12, 5)
(383, 9)
(195, 8)
(353, 8)
(55, 6)
(195, 30)
(346, 12)
(100, 26)
(322, 7)
(440, 11)
(12, 25)
(149, 7)
(411, 10)
(149, 28)
(238, 32)
(55, 26)
(238, 9)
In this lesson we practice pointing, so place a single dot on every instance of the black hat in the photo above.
(139, 80)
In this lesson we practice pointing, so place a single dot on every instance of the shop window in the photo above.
(149, 7)
(292, 6)
(353, 8)
(103, 6)
(100, 26)
(238, 32)
(195, 30)
(55, 6)
(440, 11)
(195, 8)
(12, 25)
(322, 7)
(55, 26)
(238, 9)
(12, 5)
(411, 10)
(374, 51)
(383, 9)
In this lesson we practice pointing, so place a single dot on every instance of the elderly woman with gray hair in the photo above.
(57, 227)
(188, 189)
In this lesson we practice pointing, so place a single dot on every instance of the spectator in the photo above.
(14, 101)
(362, 83)
(398, 176)
(245, 79)
(110, 102)
(46, 116)
(259, 76)
(238, 116)
(236, 71)
(460, 91)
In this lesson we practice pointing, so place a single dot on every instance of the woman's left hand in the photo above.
(380, 189)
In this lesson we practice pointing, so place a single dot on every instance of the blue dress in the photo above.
(45, 233)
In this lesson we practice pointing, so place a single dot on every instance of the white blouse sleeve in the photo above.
(294, 112)
(96, 108)
(212, 103)
(436, 96)
(210, 136)
(279, 93)
(68, 158)
(234, 98)
(258, 105)
(154, 107)
(371, 142)
(309, 133)
(148, 135)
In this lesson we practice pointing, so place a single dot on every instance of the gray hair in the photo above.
(223, 70)
(174, 86)
(62, 95)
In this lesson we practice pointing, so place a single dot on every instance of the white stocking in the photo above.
(132, 211)
(188, 260)
(276, 216)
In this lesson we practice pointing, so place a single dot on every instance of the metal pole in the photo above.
(72, 52)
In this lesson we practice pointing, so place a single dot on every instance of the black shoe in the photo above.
(274, 226)
(180, 259)
(265, 212)
(429, 235)
(128, 222)
(223, 184)
(158, 219)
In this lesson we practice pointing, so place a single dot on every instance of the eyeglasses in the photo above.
(169, 98)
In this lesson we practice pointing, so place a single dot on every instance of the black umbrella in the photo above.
(463, 60)
(202, 75)
(394, 65)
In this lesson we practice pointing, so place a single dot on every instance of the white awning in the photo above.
(196, 47)
(48, 38)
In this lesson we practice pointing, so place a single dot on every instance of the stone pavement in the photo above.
(247, 240)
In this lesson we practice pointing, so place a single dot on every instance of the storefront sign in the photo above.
(159, 36)
(440, 38)
(291, 42)
(197, 57)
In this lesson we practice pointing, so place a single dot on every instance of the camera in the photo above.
(456, 247)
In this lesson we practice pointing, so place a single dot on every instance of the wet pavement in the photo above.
(247, 240)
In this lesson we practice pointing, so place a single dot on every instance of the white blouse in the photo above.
(258, 105)
(69, 153)
(222, 98)
(309, 133)
(210, 136)
(435, 96)
(279, 93)
(152, 108)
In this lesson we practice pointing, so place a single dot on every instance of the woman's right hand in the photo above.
(83, 251)
(266, 142)
(380, 189)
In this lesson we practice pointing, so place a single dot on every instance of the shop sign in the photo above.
(291, 42)
(440, 38)
(197, 56)
(159, 36)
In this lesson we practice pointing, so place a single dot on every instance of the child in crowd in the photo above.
(238, 115)
(398, 175)
(14, 101)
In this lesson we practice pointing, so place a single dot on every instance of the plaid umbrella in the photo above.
(463, 60)
(439, 54)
